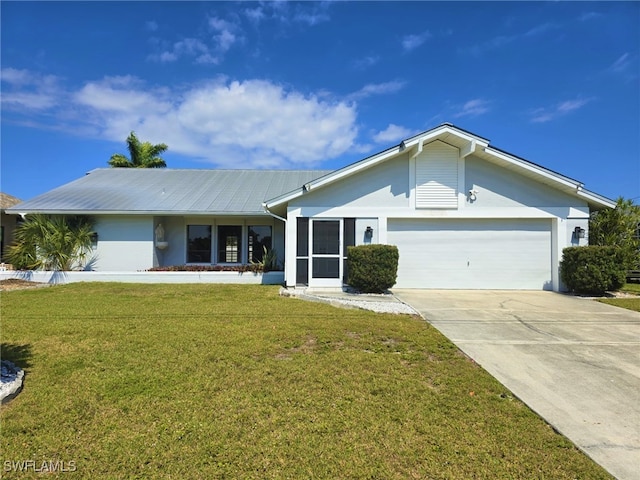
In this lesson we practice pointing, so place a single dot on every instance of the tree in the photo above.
(46, 242)
(618, 227)
(143, 155)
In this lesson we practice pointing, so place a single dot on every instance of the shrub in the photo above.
(52, 242)
(592, 269)
(372, 268)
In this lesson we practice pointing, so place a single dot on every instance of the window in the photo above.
(198, 244)
(229, 244)
(259, 238)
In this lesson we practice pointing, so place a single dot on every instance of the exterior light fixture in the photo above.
(578, 232)
(94, 239)
(368, 233)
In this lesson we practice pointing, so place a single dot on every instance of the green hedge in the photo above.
(372, 268)
(592, 269)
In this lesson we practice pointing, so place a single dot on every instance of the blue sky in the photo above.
(317, 85)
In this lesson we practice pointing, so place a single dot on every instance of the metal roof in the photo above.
(169, 191)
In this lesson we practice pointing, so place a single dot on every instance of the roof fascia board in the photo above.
(543, 172)
(446, 128)
(594, 198)
(257, 213)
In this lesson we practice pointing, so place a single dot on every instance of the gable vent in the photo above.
(437, 176)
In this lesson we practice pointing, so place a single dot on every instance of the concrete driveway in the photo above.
(574, 361)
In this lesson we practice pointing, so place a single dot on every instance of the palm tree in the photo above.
(48, 242)
(143, 155)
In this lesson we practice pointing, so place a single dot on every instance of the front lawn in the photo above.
(225, 381)
(631, 303)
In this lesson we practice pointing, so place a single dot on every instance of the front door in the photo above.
(326, 253)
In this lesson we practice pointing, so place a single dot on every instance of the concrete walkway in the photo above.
(574, 361)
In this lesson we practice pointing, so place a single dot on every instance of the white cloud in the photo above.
(187, 47)
(378, 89)
(308, 13)
(391, 134)
(225, 35)
(251, 123)
(311, 18)
(500, 41)
(540, 29)
(265, 120)
(411, 42)
(366, 62)
(27, 90)
(473, 108)
(255, 14)
(547, 114)
(589, 16)
(621, 64)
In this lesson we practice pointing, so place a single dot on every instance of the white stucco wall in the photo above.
(125, 243)
(499, 187)
(387, 191)
(383, 185)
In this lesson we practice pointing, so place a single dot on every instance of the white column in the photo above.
(290, 248)
(558, 243)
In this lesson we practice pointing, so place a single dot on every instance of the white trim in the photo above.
(533, 168)
(462, 190)
(558, 234)
(404, 212)
(475, 144)
(54, 278)
(326, 282)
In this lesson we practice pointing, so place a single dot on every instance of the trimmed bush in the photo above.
(372, 268)
(592, 269)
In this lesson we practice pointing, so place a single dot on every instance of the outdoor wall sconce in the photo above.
(94, 239)
(368, 233)
(578, 232)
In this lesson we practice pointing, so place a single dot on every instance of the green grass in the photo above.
(628, 303)
(631, 288)
(219, 381)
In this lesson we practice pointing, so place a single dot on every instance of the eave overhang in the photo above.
(468, 144)
(190, 213)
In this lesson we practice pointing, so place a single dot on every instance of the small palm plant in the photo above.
(48, 242)
(269, 260)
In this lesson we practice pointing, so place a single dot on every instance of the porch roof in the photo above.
(168, 191)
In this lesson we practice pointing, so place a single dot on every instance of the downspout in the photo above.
(419, 150)
(284, 220)
(269, 212)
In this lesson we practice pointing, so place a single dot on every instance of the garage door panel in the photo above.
(503, 254)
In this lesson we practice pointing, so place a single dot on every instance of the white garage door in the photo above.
(472, 254)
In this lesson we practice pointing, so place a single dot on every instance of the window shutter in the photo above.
(437, 176)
